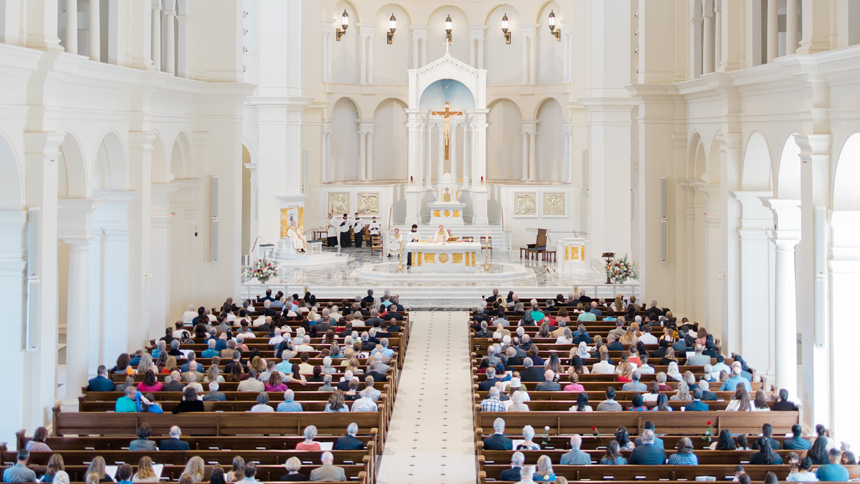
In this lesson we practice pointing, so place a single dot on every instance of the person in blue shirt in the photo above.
(544, 471)
(736, 379)
(613, 455)
(101, 383)
(834, 471)
(289, 405)
(697, 405)
(685, 455)
(648, 453)
(210, 352)
(797, 442)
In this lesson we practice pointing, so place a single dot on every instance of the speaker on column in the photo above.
(213, 222)
(34, 289)
(664, 220)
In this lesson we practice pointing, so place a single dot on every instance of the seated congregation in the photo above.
(622, 391)
(278, 389)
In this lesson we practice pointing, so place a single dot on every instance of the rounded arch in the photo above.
(442, 91)
(542, 103)
(846, 174)
(390, 149)
(344, 52)
(72, 178)
(756, 170)
(549, 51)
(713, 172)
(11, 184)
(341, 100)
(694, 146)
(504, 140)
(110, 170)
(344, 129)
(388, 100)
(180, 156)
(351, 10)
(460, 22)
(393, 60)
(550, 164)
(549, 5)
(788, 170)
(160, 170)
(390, 8)
(504, 62)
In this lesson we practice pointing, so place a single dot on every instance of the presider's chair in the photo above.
(539, 247)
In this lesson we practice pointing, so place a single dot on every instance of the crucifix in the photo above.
(447, 113)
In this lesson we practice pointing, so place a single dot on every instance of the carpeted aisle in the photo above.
(431, 439)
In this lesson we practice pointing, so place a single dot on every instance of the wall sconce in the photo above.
(392, 26)
(448, 28)
(344, 23)
(552, 28)
(505, 29)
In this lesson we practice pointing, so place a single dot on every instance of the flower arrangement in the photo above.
(545, 436)
(619, 270)
(709, 432)
(263, 270)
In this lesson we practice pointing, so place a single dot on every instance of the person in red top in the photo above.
(309, 444)
(149, 383)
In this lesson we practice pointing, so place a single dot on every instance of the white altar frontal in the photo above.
(447, 209)
(571, 254)
(445, 257)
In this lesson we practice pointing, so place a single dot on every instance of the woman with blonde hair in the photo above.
(170, 365)
(97, 467)
(629, 338)
(683, 393)
(145, 472)
(690, 378)
(237, 472)
(544, 471)
(195, 468)
(93, 478)
(213, 374)
(55, 465)
(258, 365)
(625, 372)
(673, 372)
(146, 364)
(348, 354)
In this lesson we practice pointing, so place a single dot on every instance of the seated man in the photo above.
(649, 425)
(648, 454)
(20, 472)
(797, 442)
(101, 383)
(609, 405)
(492, 402)
(174, 442)
(513, 474)
(635, 385)
(289, 405)
(575, 456)
(549, 384)
(498, 441)
(297, 237)
(349, 442)
(697, 405)
(127, 403)
(328, 471)
(834, 471)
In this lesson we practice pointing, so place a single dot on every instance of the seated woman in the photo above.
(638, 404)
(189, 402)
(653, 392)
(625, 372)
(55, 466)
(274, 384)
(613, 455)
(740, 401)
(765, 455)
(293, 466)
(724, 442)
(262, 404)
(528, 443)
(37, 443)
(518, 399)
(662, 404)
(801, 472)
(581, 404)
(149, 383)
(336, 402)
(574, 385)
(309, 443)
(544, 472)
(145, 471)
(98, 469)
(683, 393)
(684, 456)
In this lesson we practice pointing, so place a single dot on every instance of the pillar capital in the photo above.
(813, 144)
(786, 216)
(74, 220)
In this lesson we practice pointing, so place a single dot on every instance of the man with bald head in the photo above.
(575, 457)
(549, 384)
(328, 471)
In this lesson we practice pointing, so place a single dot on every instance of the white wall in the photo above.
(504, 141)
(344, 151)
(550, 162)
(389, 142)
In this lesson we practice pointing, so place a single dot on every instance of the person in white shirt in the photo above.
(262, 403)
(645, 368)
(277, 338)
(603, 367)
(412, 236)
(365, 403)
(441, 235)
(331, 231)
(188, 316)
(306, 344)
(251, 384)
(648, 338)
(357, 229)
(373, 227)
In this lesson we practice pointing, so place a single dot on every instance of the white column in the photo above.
(413, 188)
(785, 238)
(525, 163)
(479, 167)
(419, 46)
(78, 315)
(533, 155)
(328, 175)
(844, 269)
(453, 150)
(362, 55)
(370, 154)
(529, 52)
(567, 39)
(467, 136)
(95, 31)
(772, 30)
(156, 34)
(440, 154)
(170, 37)
(816, 29)
(326, 50)
(718, 33)
(568, 142)
(182, 45)
(708, 47)
(791, 26)
(72, 26)
(476, 40)
(255, 198)
(428, 156)
(159, 287)
(362, 153)
(695, 45)
(12, 283)
(370, 66)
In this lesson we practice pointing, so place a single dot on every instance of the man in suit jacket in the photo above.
(548, 385)
(498, 441)
(349, 442)
(612, 344)
(490, 382)
(648, 454)
(531, 372)
(513, 474)
(214, 395)
(175, 384)
(696, 405)
(767, 431)
(649, 425)
(101, 383)
(368, 300)
(372, 371)
(707, 395)
(328, 471)
(575, 457)
(173, 443)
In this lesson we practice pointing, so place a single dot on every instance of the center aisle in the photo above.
(431, 438)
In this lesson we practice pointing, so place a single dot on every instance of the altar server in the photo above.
(358, 229)
(344, 232)
(412, 236)
(373, 227)
(332, 230)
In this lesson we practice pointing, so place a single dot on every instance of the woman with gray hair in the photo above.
(293, 465)
(309, 443)
(528, 435)
(683, 393)
(518, 406)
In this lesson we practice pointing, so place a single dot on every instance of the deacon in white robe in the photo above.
(395, 243)
(294, 233)
(331, 230)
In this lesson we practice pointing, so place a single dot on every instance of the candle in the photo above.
(410, 178)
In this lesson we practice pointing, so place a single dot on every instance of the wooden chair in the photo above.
(538, 248)
(375, 243)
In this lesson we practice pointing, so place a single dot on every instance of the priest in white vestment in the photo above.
(441, 235)
(395, 243)
(294, 233)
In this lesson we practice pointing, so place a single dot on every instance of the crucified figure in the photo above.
(447, 113)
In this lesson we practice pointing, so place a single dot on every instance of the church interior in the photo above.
(694, 153)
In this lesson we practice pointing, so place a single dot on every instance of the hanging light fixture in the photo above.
(392, 26)
(344, 23)
(553, 30)
(505, 29)
(448, 28)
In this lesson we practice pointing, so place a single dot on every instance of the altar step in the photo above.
(500, 237)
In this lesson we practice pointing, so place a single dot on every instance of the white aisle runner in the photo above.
(431, 439)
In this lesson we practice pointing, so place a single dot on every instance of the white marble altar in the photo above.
(447, 209)
(445, 257)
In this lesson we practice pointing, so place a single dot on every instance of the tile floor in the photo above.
(431, 439)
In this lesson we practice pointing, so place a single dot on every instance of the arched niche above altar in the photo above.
(454, 76)
(447, 91)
